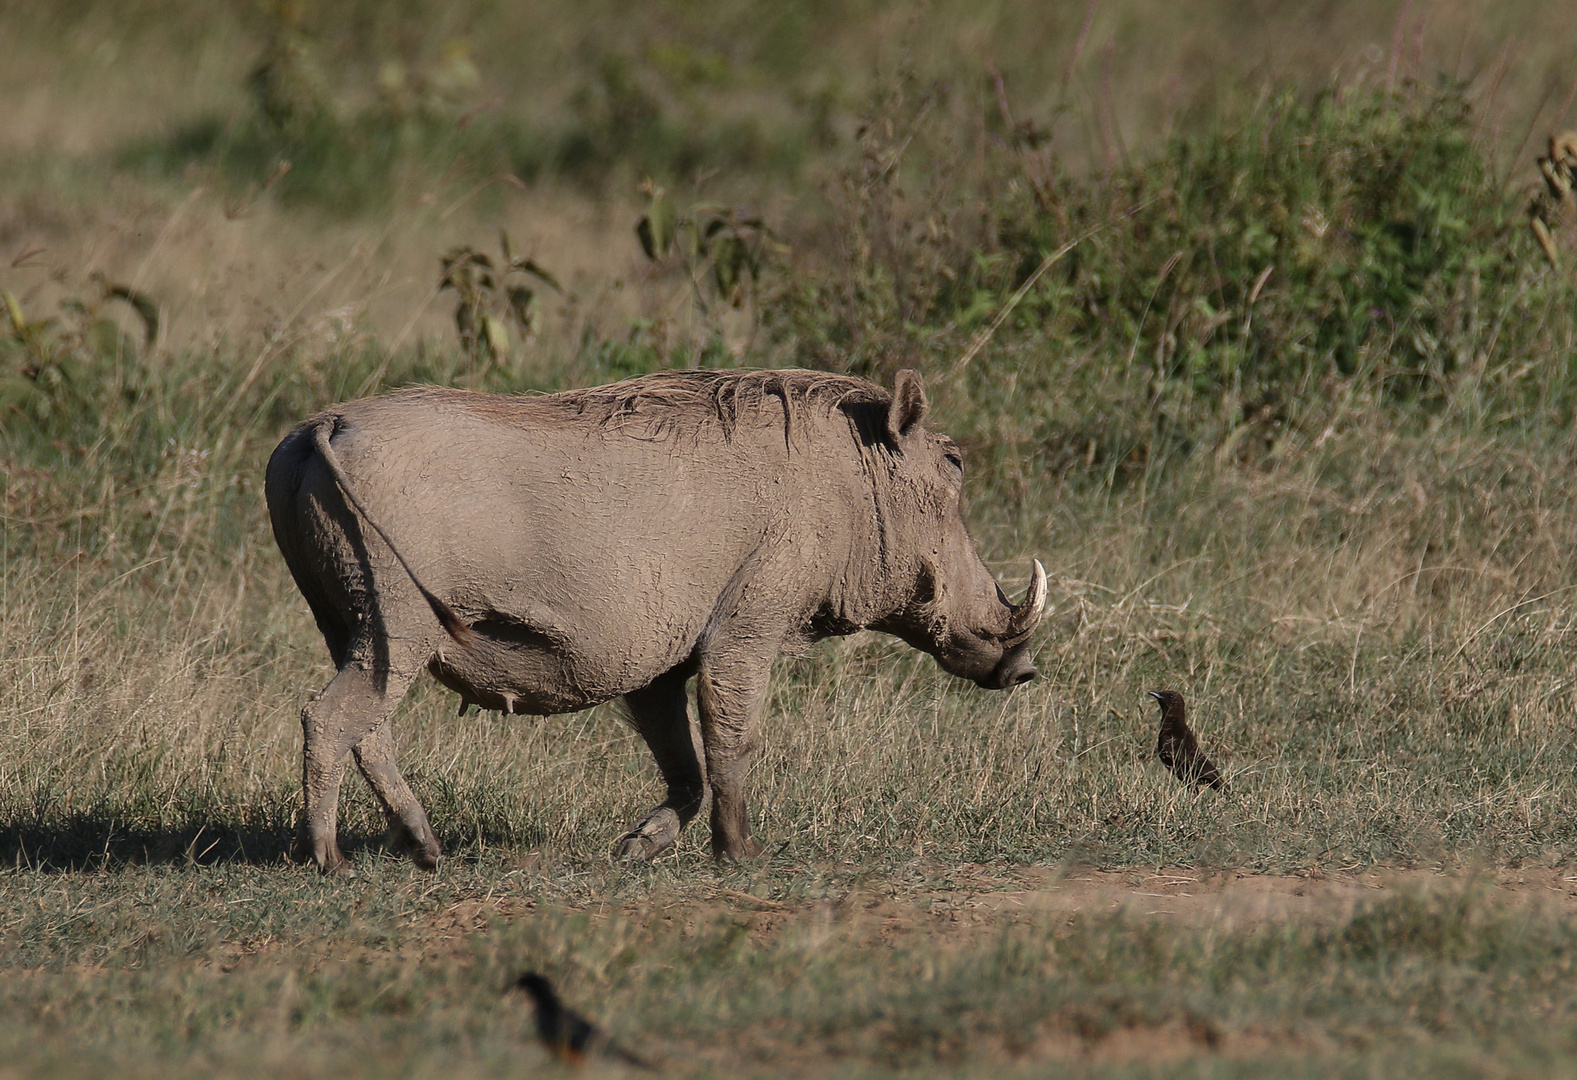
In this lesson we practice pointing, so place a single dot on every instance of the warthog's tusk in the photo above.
(1026, 616)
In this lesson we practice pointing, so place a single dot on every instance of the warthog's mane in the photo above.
(696, 403)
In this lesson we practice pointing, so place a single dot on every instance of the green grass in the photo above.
(251, 971)
(1372, 633)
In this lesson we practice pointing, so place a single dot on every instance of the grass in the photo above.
(1397, 697)
(1331, 502)
(246, 971)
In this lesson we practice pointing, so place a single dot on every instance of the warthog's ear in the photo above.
(908, 407)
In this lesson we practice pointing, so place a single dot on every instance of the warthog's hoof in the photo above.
(736, 852)
(654, 834)
(333, 864)
(423, 850)
(329, 860)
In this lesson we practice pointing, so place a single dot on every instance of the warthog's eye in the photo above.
(955, 459)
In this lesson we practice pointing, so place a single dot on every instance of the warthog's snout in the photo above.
(1016, 669)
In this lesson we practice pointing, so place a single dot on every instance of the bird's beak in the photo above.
(1155, 694)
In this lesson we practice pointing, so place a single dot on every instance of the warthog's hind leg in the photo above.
(355, 702)
(409, 830)
(661, 714)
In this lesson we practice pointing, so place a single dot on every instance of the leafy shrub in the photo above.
(1354, 235)
(58, 370)
(632, 114)
(487, 297)
(1344, 234)
(646, 351)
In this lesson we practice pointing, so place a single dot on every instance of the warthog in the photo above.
(545, 554)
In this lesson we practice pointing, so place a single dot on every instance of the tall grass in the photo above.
(1331, 507)
(1371, 629)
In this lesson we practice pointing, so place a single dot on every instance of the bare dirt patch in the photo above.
(982, 899)
(1235, 900)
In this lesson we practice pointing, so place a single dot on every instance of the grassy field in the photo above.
(1291, 425)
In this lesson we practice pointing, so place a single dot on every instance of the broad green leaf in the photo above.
(658, 226)
(14, 310)
(144, 305)
(538, 271)
(497, 337)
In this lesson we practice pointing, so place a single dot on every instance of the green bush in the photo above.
(630, 116)
(1341, 235)
(1353, 235)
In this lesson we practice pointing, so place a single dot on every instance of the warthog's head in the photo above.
(954, 608)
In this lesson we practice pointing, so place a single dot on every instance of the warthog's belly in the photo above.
(514, 667)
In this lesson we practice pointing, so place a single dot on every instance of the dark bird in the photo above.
(569, 1036)
(1176, 746)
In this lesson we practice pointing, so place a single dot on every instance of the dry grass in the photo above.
(77, 89)
(328, 284)
(1372, 637)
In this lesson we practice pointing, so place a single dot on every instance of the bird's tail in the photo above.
(618, 1053)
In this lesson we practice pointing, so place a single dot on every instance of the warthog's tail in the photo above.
(446, 615)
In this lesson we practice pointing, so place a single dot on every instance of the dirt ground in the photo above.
(1237, 900)
(985, 898)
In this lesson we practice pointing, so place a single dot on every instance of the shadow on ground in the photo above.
(101, 842)
(94, 841)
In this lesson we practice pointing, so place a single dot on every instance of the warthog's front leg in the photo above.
(661, 713)
(353, 704)
(730, 690)
(409, 830)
